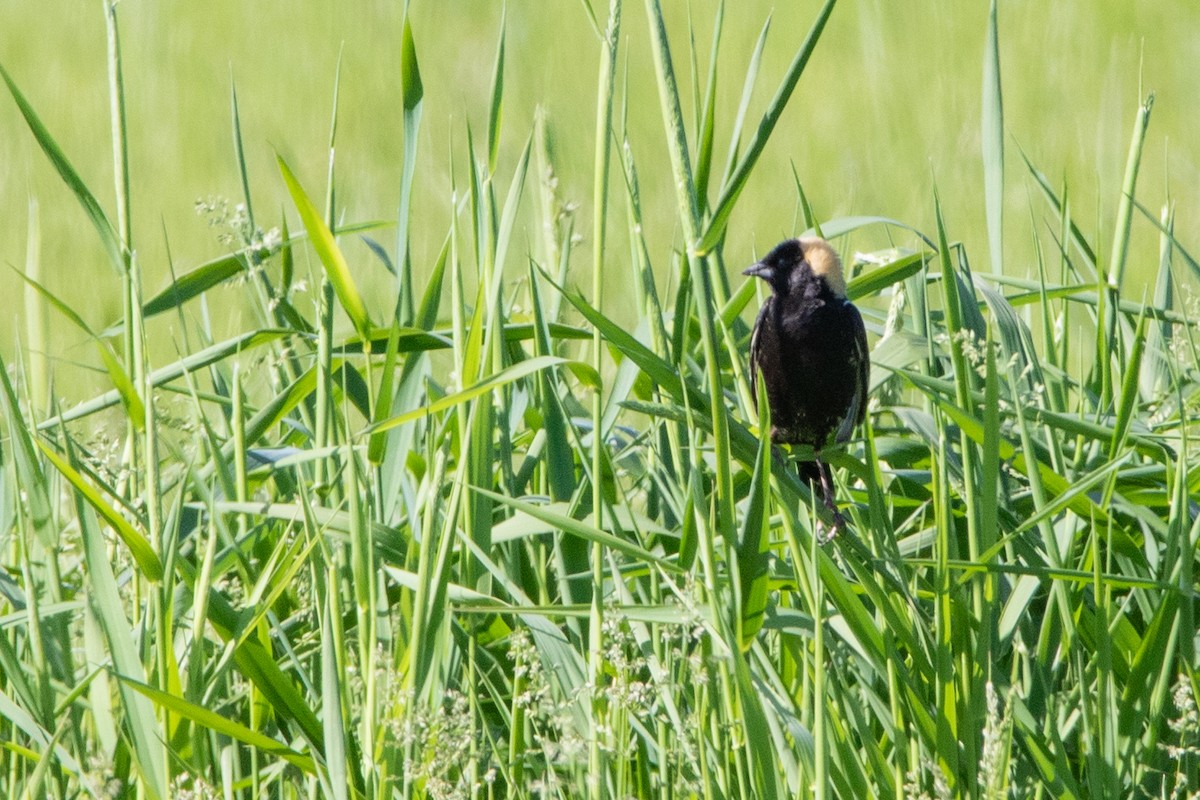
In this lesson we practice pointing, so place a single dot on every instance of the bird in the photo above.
(810, 346)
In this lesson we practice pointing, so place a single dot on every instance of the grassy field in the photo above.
(421, 462)
(889, 105)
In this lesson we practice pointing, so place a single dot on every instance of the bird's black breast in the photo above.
(810, 348)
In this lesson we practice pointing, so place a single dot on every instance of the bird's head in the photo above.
(795, 261)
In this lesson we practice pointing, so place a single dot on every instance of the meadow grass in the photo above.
(511, 538)
(889, 106)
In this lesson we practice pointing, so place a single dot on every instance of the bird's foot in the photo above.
(825, 535)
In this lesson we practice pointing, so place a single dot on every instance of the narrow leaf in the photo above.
(330, 254)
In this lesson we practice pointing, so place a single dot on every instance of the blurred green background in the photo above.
(889, 106)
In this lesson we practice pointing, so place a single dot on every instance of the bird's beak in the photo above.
(759, 270)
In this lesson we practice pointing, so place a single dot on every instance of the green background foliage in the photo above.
(435, 472)
(889, 104)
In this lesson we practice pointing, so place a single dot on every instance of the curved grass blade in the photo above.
(134, 409)
(502, 378)
(148, 739)
(877, 280)
(210, 274)
(737, 181)
(752, 542)
(108, 234)
(147, 560)
(29, 472)
(206, 357)
(576, 528)
(327, 250)
(222, 726)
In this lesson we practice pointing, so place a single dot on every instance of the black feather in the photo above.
(810, 345)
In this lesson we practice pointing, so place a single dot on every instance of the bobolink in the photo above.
(811, 347)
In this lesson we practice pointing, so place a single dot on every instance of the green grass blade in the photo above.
(336, 268)
(877, 280)
(708, 113)
(754, 534)
(333, 691)
(130, 398)
(739, 119)
(148, 738)
(214, 354)
(147, 560)
(993, 142)
(737, 180)
(1120, 245)
(1127, 402)
(239, 152)
(1061, 208)
(413, 93)
(1156, 374)
(502, 378)
(223, 726)
(29, 470)
(99, 220)
(496, 109)
(576, 528)
(120, 127)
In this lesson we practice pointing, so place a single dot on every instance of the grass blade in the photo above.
(99, 220)
(336, 268)
(737, 180)
(993, 142)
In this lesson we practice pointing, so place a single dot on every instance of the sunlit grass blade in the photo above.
(502, 378)
(993, 142)
(876, 280)
(754, 535)
(741, 173)
(214, 354)
(1120, 244)
(117, 374)
(95, 213)
(413, 94)
(210, 274)
(147, 560)
(148, 738)
(336, 267)
(579, 529)
(496, 110)
(219, 724)
(29, 470)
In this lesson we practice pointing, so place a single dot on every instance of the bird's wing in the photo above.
(754, 345)
(861, 359)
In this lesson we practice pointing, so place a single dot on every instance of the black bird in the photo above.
(811, 347)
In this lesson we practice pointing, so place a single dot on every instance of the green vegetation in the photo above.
(480, 532)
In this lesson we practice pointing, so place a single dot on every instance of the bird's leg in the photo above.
(839, 522)
(816, 476)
